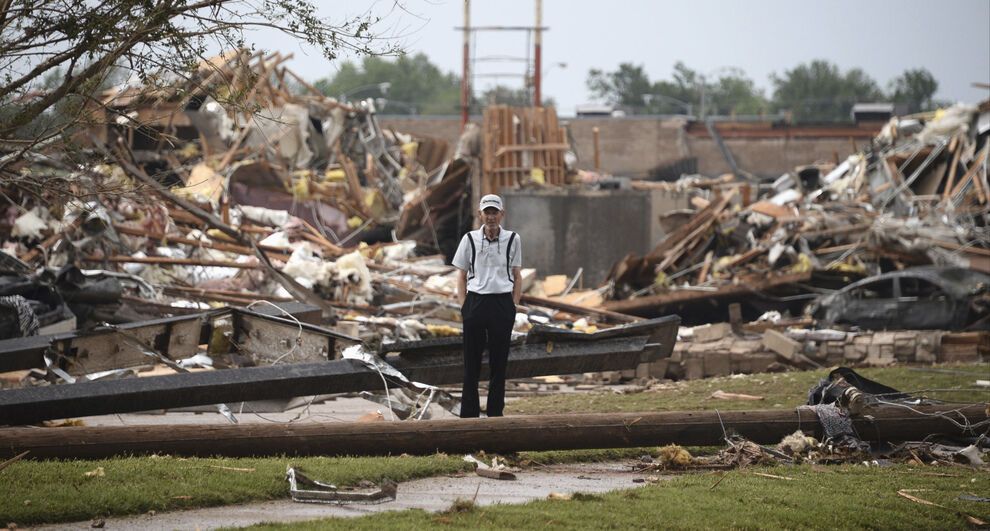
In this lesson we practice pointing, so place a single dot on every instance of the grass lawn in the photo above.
(33, 492)
(780, 390)
(60, 491)
(836, 497)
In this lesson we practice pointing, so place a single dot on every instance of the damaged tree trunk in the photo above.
(493, 435)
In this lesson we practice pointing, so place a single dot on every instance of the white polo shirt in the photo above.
(490, 273)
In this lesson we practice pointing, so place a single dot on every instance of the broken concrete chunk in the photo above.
(781, 344)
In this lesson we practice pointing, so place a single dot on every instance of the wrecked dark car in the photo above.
(920, 298)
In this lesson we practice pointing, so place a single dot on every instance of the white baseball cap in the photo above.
(490, 200)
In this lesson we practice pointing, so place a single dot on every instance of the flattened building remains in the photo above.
(301, 253)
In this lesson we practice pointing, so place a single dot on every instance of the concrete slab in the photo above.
(431, 494)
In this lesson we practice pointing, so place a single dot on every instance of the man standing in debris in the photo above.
(488, 286)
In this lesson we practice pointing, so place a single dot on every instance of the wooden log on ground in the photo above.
(492, 435)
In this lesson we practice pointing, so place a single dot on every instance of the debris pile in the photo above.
(194, 230)
(720, 349)
(918, 195)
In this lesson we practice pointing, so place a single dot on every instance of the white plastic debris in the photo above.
(446, 282)
(947, 122)
(266, 216)
(135, 269)
(199, 360)
(841, 169)
(785, 197)
(30, 224)
(399, 251)
(308, 267)
(352, 270)
(277, 239)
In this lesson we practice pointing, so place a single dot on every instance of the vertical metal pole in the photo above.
(598, 160)
(537, 59)
(466, 70)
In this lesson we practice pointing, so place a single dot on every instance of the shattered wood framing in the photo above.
(263, 337)
(28, 405)
(655, 303)
(517, 140)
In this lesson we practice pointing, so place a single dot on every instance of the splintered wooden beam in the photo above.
(493, 435)
(656, 303)
(35, 404)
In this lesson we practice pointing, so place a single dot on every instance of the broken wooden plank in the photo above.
(654, 303)
(274, 252)
(167, 261)
(608, 315)
(502, 435)
(98, 347)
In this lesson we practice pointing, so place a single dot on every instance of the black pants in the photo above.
(488, 321)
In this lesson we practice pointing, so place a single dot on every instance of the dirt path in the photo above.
(431, 494)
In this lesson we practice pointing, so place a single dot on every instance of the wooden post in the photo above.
(466, 68)
(501, 435)
(538, 56)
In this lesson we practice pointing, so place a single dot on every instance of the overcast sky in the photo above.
(951, 38)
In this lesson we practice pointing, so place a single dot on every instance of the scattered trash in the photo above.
(305, 490)
(95, 473)
(722, 395)
(495, 471)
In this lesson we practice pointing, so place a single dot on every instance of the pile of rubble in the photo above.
(918, 195)
(256, 233)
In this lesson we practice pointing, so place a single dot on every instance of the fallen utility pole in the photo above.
(30, 405)
(493, 435)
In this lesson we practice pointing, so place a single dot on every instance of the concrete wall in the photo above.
(566, 229)
(769, 157)
(632, 146)
(443, 127)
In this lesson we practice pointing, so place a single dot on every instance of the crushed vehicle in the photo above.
(919, 298)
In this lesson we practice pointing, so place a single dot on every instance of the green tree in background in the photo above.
(626, 86)
(415, 85)
(819, 92)
(630, 87)
(515, 97)
(915, 89)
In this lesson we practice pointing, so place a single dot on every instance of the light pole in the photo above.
(382, 87)
(685, 105)
(704, 88)
(384, 103)
(530, 81)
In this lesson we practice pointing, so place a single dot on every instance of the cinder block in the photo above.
(746, 346)
(697, 349)
(717, 364)
(658, 369)
(781, 344)
(694, 369)
(959, 353)
(712, 332)
(883, 338)
(854, 353)
(879, 355)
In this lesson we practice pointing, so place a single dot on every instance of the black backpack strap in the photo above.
(508, 258)
(474, 253)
